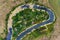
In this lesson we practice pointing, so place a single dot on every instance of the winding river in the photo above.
(50, 20)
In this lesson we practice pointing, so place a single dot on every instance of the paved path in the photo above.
(50, 20)
(9, 34)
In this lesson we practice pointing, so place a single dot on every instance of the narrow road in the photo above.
(50, 20)
(9, 34)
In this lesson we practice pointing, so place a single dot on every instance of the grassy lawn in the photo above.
(1, 38)
(39, 33)
(27, 18)
(56, 6)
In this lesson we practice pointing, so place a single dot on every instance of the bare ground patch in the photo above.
(5, 8)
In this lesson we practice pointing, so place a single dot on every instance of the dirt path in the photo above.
(13, 14)
(5, 7)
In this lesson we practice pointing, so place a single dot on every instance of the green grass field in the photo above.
(39, 33)
(27, 18)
